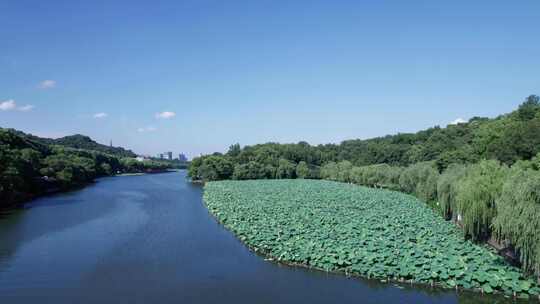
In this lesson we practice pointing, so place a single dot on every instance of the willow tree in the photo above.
(344, 171)
(421, 180)
(329, 171)
(285, 169)
(447, 189)
(477, 192)
(302, 170)
(518, 216)
(357, 175)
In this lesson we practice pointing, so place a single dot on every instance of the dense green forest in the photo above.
(507, 138)
(78, 141)
(483, 174)
(30, 165)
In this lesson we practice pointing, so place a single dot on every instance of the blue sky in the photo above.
(259, 71)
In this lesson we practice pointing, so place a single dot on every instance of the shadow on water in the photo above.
(149, 239)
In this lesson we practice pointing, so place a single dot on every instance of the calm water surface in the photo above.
(149, 239)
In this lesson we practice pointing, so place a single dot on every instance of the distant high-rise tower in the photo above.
(169, 155)
(182, 157)
(111, 144)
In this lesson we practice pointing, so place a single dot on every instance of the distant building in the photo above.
(166, 155)
(182, 157)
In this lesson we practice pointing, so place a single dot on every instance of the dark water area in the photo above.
(149, 239)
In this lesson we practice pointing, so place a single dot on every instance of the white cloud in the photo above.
(100, 115)
(146, 129)
(47, 84)
(25, 108)
(8, 105)
(457, 121)
(165, 115)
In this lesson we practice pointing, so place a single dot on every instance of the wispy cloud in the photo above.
(165, 115)
(100, 115)
(26, 108)
(457, 121)
(47, 84)
(146, 129)
(10, 105)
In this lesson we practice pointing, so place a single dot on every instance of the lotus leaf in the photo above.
(360, 231)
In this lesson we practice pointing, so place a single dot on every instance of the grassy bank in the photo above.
(360, 231)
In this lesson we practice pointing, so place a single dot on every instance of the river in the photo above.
(149, 239)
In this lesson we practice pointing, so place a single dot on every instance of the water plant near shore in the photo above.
(360, 231)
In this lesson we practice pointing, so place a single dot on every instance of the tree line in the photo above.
(483, 174)
(30, 167)
(77, 141)
(507, 138)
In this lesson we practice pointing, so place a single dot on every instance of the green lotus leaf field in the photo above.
(359, 231)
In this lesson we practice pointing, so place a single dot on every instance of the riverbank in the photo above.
(147, 172)
(52, 188)
(359, 231)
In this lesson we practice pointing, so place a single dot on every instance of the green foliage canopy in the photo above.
(477, 192)
(518, 216)
(31, 166)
